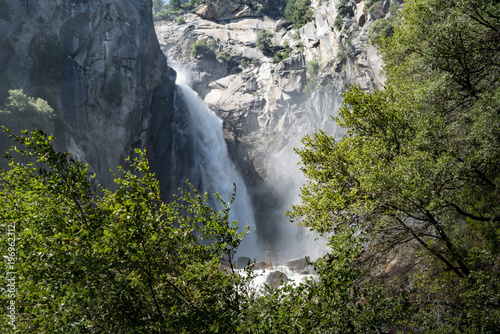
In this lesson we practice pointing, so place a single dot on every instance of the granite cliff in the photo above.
(99, 65)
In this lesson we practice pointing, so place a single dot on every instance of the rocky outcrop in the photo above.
(225, 10)
(298, 264)
(106, 72)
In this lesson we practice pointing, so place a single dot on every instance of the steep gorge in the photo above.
(269, 103)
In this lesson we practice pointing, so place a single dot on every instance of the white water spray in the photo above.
(218, 172)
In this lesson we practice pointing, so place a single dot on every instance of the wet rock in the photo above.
(276, 278)
(260, 265)
(298, 264)
(242, 262)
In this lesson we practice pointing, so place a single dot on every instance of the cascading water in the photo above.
(216, 172)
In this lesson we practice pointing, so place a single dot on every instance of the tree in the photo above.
(158, 6)
(298, 12)
(203, 49)
(87, 259)
(419, 166)
(264, 40)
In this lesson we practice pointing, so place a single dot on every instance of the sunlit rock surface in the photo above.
(268, 106)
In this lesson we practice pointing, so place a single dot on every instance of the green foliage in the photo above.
(21, 112)
(338, 23)
(247, 62)
(163, 11)
(380, 31)
(312, 77)
(93, 260)
(345, 51)
(298, 12)
(113, 92)
(271, 8)
(167, 14)
(158, 6)
(5, 10)
(419, 167)
(281, 55)
(174, 5)
(191, 4)
(180, 20)
(264, 40)
(224, 56)
(204, 48)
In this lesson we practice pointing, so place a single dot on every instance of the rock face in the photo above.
(111, 74)
(268, 106)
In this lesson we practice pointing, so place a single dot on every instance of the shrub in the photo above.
(264, 40)
(282, 55)
(379, 31)
(298, 12)
(224, 56)
(203, 49)
(338, 22)
(312, 76)
(345, 51)
(376, 11)
(180, 20)
(119, 261)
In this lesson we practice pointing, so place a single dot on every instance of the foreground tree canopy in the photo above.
(420, 165)
(410, 200)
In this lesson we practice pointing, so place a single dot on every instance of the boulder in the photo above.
(298, 264)
(276, 278)
(261, 265)
(281, 25)
(242, 262)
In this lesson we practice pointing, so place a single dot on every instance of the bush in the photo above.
(298, 12)
(203, 49)
(338, 22)
(379, 31)
(180, 20)
(264, 40)
(224, 56)
(281, 55)
(312, 76)
(113, 261)
(345, 51)
(247, 62)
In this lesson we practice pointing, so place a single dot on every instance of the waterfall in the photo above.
(216, 172)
